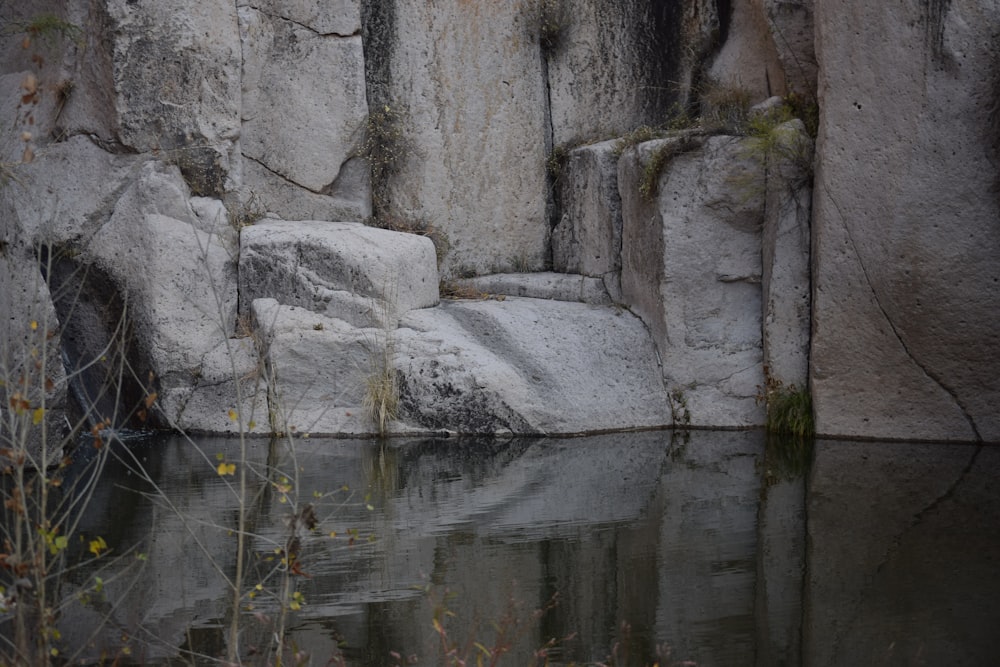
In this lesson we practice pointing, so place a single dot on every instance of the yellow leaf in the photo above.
(97, 546)
(34, 325)
(226, 468)
(37, 416)
(233, 416)
(437, 627)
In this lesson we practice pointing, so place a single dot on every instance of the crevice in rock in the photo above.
(280, 175)
(934, 377)
(304, 26)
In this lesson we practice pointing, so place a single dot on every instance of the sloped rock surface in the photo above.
(529, 366)
(524, 366)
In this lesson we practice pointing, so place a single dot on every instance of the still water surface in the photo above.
(709, 547)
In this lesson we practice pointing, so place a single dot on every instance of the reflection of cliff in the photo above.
(630, 527)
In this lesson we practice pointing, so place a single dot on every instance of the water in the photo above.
(708, 546)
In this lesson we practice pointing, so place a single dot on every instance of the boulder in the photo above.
(316, 367)
(365, 275)
(691, 269)
(906, 287)
(176, 272)
(304, 104)
(588, 236)
(464, 86)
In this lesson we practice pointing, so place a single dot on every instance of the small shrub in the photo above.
(724, 109)
(649, 183)
(46, 28)
(773, 144)
(556, 161)
(789, 409)
(381, 396)
(637, 136)
(386, 146)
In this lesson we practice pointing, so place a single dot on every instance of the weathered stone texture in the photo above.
(343, 269)
(468, 78)
(907, 282)
(304, 103)
(748, 59)
(785, 253)
(613, 66)
(691, 268)
(177, 70)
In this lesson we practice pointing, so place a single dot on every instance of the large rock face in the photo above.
(466, 78)
(304, 105)
(907, 288)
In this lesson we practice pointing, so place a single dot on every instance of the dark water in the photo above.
(709, 547)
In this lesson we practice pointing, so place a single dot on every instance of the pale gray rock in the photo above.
(227, 393)
(543, 285)
(748, 59)
(793, 33)
(365, 275)
(177, 272)
(785, 253)
(907, 289)
(528, 366)
(691, 269)
(523, 366)
(304, 103)
(68, 192)
(467, 80)
(317, 367)
(588, 237)
(325, 17)
(176, 76)
(265, 193)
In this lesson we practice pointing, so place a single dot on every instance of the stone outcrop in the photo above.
(691, 268)
(905, 340)
(342, 269)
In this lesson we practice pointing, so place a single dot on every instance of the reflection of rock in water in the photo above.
(903, 555)
(624, 527)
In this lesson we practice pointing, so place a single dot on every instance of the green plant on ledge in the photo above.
(789, 409)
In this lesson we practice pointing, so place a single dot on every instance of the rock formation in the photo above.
(208, 166)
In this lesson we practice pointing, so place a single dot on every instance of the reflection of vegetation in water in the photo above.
(786, 457)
